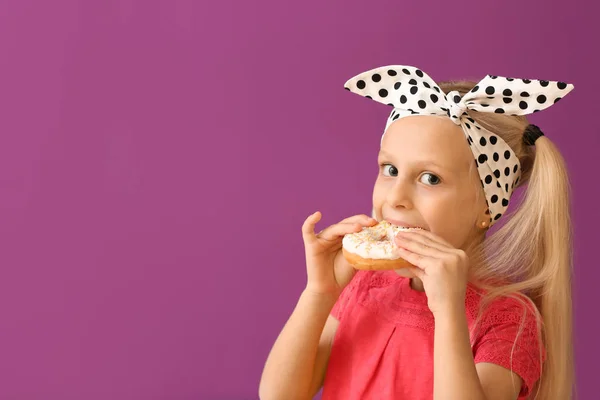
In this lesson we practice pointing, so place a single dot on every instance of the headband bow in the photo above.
(411, 91)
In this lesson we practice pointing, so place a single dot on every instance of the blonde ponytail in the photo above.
(533, 252)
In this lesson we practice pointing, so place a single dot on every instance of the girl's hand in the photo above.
(328, 272)
(442, 268)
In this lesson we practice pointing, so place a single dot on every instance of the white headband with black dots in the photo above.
(411, 91)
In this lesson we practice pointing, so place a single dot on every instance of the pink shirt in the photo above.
(383, 348)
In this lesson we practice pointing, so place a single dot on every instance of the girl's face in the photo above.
(428, 178)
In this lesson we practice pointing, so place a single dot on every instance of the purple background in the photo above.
(158, 158)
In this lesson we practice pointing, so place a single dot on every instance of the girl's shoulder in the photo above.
(508, 334)
(514, 304)
(508, 313)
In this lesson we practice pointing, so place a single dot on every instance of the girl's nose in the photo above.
(400, 195)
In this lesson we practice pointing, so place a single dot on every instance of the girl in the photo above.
(477, 316)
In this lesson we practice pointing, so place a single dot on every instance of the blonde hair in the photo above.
(529, 256)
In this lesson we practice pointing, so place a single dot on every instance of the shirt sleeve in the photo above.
(348, 296)
(509, 338)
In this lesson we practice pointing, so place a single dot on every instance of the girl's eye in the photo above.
(430, 179)
(389, 170)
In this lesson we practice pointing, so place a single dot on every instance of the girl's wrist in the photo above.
(323, 298)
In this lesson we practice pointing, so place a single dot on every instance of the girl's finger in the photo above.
(336, 231)
(419, 273)
(430, 236)
(421, 240)
(418, 250)
(308, 227)
(360, 219)
(419, 261)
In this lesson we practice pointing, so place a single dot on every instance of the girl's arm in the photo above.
(298, 360)
(455, 374)
(296, 365)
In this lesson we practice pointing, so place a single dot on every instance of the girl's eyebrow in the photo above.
(423, 163)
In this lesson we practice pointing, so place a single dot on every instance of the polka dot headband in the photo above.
(411, 91)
